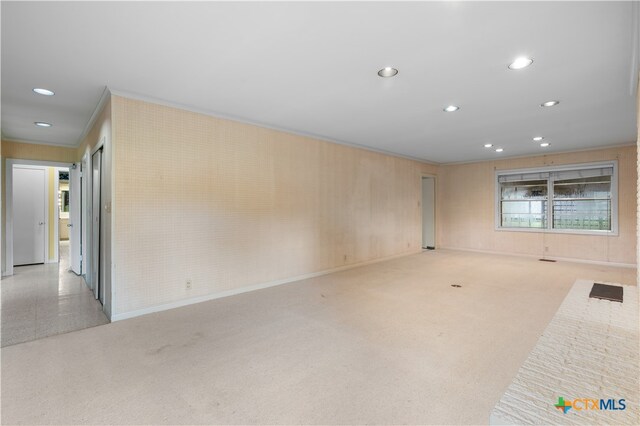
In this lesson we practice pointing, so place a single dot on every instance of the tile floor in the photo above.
(45, 300)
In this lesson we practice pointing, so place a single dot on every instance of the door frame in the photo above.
(9, 206)
(56, 217)
(85, 181)
(87, 204)
(98, 284)
(435, 210)
(76, 166)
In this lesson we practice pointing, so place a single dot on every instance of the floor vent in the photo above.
(546, 260)
(606, 292)
(456, 285)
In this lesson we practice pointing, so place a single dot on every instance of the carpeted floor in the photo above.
(392, 342)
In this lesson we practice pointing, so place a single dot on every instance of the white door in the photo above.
(74, 219)
(96, 202)
(29, 213)
(428, 213)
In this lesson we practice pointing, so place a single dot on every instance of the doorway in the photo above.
(428, 213)
(97, 253)
(69, 221)
(30, 213)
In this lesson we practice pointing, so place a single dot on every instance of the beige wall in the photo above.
(229, 205)
(467, 207)
(29, 151)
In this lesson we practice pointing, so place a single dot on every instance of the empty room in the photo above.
(319, 213)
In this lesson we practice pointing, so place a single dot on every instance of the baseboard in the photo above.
(246, 289)
(534, 256)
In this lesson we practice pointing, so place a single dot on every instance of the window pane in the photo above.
(582, 203)
(524, 214)
(523, 204)
(582, 214)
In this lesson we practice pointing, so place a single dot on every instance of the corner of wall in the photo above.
(638, 184)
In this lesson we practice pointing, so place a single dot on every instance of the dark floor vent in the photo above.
(547, 260)
(456, 285)
(606, 292)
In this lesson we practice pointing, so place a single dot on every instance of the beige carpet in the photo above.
(386, 343)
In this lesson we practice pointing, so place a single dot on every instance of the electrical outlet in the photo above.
(546, 248)
(188, 285)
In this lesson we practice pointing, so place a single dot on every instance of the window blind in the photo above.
(517, 177)
(583, 173)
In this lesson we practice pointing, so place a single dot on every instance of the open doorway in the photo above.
(63, 216)
(43, 291)
(69, 218)
(428, 213)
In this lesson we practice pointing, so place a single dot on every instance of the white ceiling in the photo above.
(311, 68)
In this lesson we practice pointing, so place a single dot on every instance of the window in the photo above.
(562, 199)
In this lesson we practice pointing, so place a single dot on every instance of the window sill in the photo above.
(560, 231)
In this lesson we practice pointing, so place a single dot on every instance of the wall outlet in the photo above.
(188, 285)
(546, 248)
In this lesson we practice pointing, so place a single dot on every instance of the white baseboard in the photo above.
(260, 286)
(534, 256)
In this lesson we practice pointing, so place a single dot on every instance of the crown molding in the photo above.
(94, 116)
(170, 104)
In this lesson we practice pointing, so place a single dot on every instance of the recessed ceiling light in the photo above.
(451, 108)
(499, 149)
(45, 92)
(549, 103)
(387, 72)
(519, 63)
(42, 124)
(545, 144)
(488, 145)
(538, 138)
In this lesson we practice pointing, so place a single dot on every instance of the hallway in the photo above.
(45, 300)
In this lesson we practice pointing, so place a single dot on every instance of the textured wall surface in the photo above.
(229, 205)
(467, 207)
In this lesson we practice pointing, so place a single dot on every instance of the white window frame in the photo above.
(549, 229)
